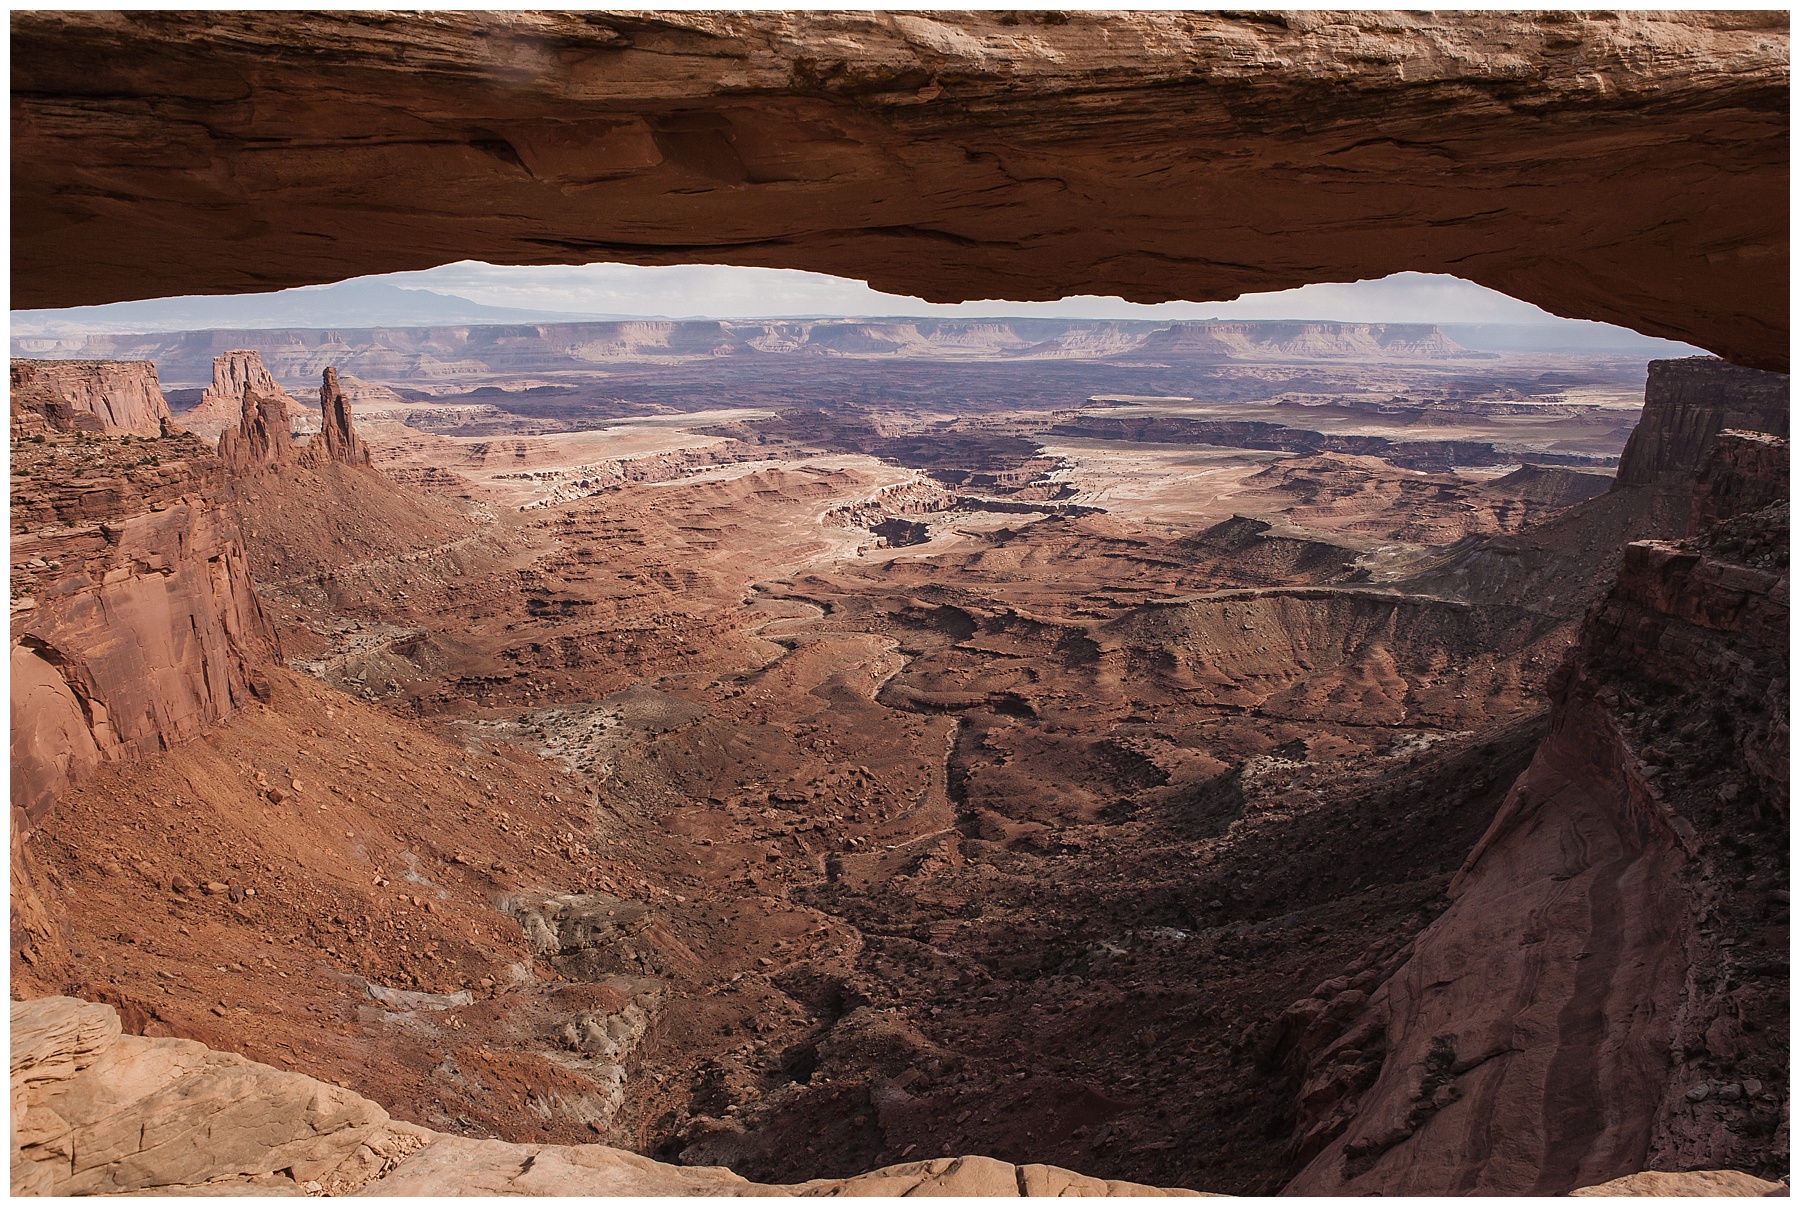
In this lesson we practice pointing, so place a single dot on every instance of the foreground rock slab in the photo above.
(1712, 1183)
(96, 1111)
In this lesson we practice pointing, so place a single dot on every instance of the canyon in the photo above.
(738, 786)
(898, 756)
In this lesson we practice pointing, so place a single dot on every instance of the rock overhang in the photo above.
(1626, 167)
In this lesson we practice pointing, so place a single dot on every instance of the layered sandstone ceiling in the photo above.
(1624, 167)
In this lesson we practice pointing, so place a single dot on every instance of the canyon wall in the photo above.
(1608, 991)
(135, 624)
(1628, 167)
(1688, 402)
(99, 396)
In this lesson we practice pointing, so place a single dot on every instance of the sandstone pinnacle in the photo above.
(262, 439)
(339, 436)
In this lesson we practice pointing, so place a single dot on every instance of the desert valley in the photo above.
(721, 757)
(890, 755)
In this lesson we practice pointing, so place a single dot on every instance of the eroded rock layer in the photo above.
(99, 396)
(1628, 167)
(135, 623)
(1608, 992)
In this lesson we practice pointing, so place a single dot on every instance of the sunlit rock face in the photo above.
(236, 374)
(1623, 167)
(95, 396)
(135, 623)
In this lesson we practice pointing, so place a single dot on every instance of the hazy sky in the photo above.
(471, 292)
(718, 291)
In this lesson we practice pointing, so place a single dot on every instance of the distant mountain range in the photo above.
(359, 303)
(357, 309)
(442, 356)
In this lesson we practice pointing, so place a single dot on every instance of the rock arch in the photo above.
(1628, 167)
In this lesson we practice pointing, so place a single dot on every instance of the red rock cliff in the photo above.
(1607, 993)
(1688, 402)
(135, 624)
(91, 395)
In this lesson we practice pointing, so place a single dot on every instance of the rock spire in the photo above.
(237, 374)
(262, 439)
(337, 440)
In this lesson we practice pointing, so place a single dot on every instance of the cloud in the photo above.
(473, 292)
(723, 291)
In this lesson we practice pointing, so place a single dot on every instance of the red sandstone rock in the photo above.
(263, 439)
(1629, 167)
(91, 395)
(236, 375)
(135, 624)
(337, 439)
(1688, 402)
(1746, 472)
(1566, 1020)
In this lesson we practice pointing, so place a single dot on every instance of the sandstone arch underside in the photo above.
(1626, 167)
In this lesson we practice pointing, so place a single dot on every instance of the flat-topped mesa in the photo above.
(101, 396)
(1686, 404)
(337, 439)
(262, 439)
(236, 375)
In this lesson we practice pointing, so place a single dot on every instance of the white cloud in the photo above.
(723, 291)
(472, 292)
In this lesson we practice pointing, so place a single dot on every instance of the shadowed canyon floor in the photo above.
(814, 791)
